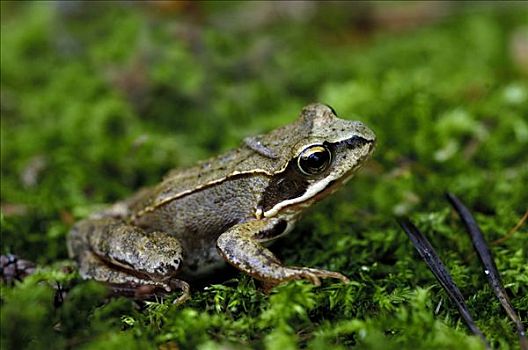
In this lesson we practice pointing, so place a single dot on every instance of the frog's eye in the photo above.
(314, 160)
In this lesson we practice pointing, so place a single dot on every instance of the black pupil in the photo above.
(314, 161)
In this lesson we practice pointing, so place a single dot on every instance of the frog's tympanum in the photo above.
(224, 209)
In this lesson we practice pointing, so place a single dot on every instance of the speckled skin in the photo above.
(222, 209)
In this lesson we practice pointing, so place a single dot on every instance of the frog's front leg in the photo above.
(125, 256)
(241, 247)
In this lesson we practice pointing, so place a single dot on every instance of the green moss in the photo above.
(98, 101)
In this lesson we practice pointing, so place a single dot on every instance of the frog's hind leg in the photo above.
(120, 281)
(127, 257)
(124, 283)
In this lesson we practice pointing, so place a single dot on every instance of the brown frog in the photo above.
(224, 209)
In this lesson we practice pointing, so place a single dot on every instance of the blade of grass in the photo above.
(490, 269)
(439, 270)
(513, 230)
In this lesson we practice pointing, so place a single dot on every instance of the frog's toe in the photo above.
(337, 275)
(307, 274)
(314, 279)
(343, 278)
(329, 274)
(185, 289)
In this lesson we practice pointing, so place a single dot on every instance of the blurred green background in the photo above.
(100, 99)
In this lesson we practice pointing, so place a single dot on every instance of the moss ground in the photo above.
(97, 101)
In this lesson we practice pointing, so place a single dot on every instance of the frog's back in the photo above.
(243, 161)
(182, 182)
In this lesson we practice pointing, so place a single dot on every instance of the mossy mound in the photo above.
(99, 100)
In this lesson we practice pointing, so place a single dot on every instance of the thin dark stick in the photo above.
(439, 270)
(490, 269)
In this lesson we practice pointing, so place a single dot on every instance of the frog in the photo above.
(227, 209)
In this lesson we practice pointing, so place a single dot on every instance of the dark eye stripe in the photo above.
(283, 186)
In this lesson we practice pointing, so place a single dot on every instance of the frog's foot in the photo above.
(315, 275)
(240, 247)
(185, 289)
(150, 290)
(306, 273)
